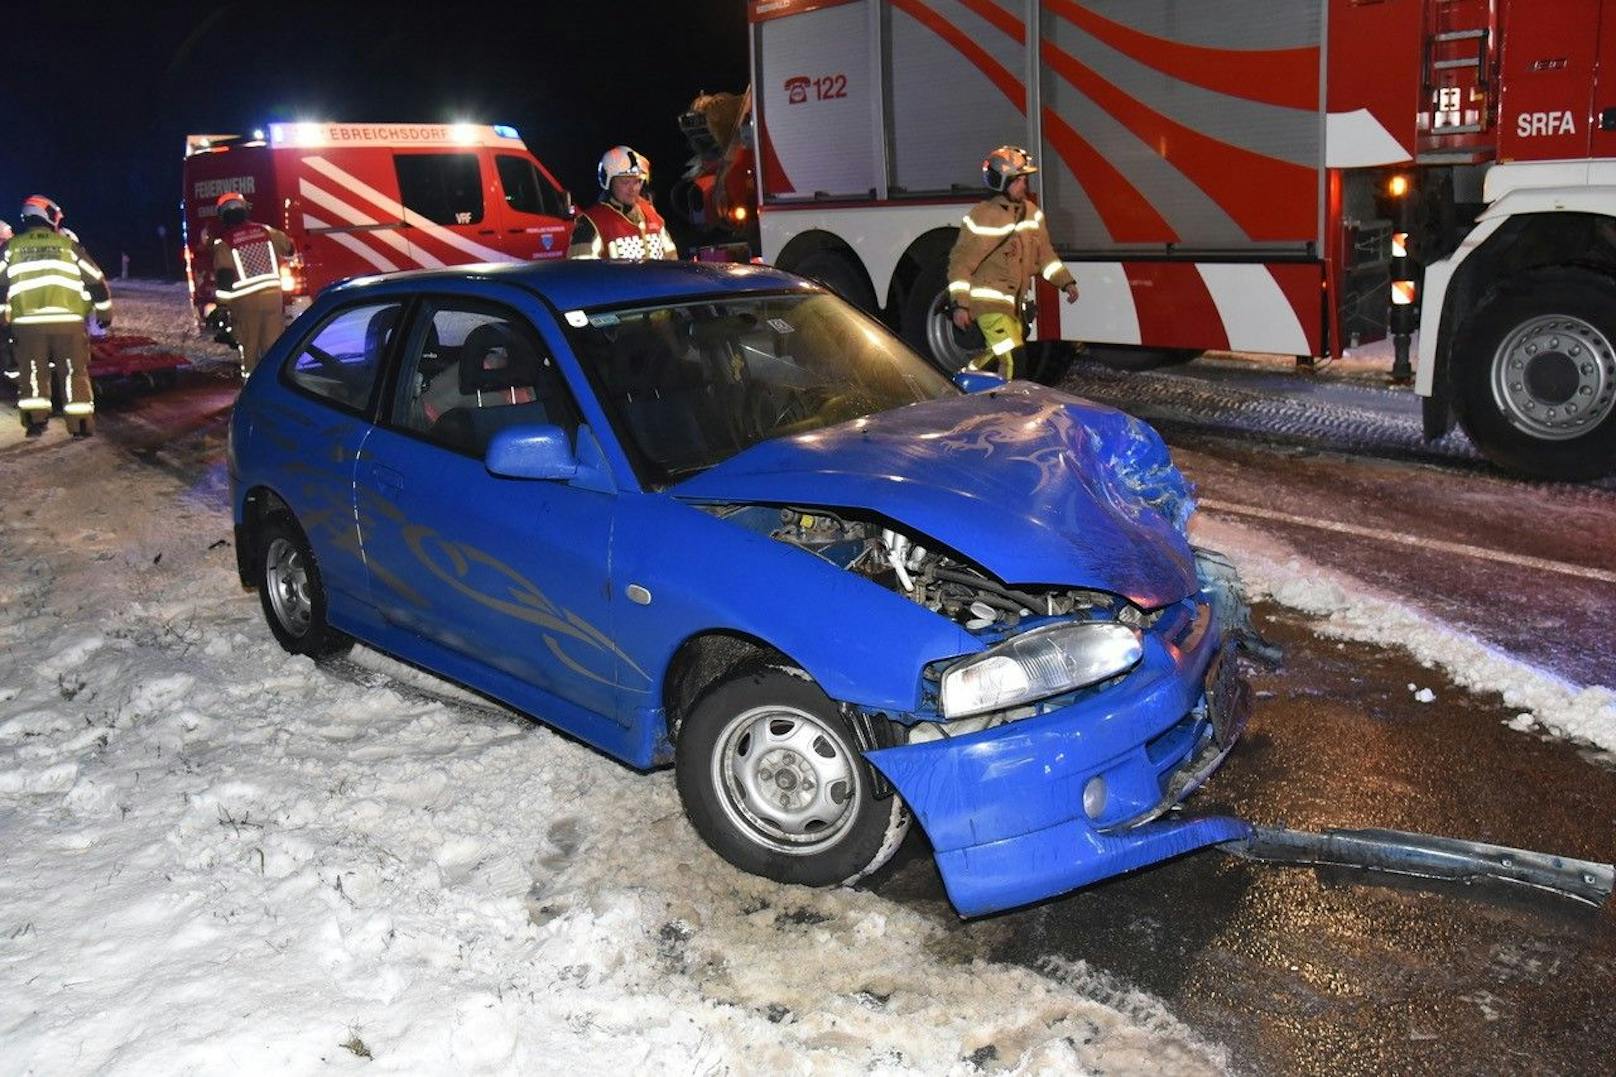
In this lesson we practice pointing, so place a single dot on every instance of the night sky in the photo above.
(95, 107)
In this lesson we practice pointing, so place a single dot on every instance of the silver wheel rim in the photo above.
(785, 781)
(1554, 377)
(940, 336)
(287, 578)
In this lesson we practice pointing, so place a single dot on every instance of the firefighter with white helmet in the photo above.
(50, 284)
(247, 261)
(1002, 243)
(623, 224)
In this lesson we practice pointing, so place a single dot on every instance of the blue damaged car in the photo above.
(714, 516)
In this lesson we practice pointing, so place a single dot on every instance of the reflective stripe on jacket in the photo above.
(604, 230)
(247, 259)
(1001, 245)
(48, 277)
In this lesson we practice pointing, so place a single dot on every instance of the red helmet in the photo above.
(1004, 164)
(232, 200)
(39, 206)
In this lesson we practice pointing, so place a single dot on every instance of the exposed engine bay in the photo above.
(933, 578)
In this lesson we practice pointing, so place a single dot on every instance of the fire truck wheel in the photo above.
(927, 327)
(1536, 375)
(835, 272)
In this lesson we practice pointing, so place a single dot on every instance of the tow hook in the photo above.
(1429, 856)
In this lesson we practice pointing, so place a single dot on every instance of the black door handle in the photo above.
(485, 231)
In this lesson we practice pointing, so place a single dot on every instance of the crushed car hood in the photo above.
(1033, 485)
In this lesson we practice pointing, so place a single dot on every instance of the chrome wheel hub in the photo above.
(784, 780)
(1554, 377)
(287, 578)
(940, 336)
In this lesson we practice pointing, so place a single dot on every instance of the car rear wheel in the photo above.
(773, 781)
(292, 592)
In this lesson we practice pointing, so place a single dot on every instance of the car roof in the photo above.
(578, 283)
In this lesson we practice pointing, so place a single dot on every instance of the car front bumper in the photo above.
(1004, 807)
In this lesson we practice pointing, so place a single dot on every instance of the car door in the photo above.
(511, 575)
(319, 427)
(536, 225)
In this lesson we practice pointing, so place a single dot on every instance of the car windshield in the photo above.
(690, 385)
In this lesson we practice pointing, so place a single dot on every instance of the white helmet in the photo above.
(622, 161)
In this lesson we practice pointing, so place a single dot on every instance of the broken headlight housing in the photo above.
(1038, 664)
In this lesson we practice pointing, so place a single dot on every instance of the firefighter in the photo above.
(623, 224)
(1002, 244)
(50, 285)
(247, 260)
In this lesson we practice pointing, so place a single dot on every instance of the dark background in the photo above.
(95, 102)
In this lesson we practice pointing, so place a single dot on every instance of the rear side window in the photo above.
(525, 190)
(341, 360)
(472, 370)
(445, 188)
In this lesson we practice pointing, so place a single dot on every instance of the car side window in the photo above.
(471, 372)
(340, 361)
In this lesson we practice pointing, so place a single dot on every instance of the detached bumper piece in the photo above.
(1430, 857)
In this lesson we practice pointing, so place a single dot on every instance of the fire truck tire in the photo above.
(1535, 380)
(925, 320)
(835, 272)
(1127, 357)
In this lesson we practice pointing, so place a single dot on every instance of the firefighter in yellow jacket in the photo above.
(1002, 243)
(247, 261)
(50, 284)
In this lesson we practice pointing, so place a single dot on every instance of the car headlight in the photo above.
(1038, 664)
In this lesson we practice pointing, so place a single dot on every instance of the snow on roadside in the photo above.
(1354, 610)
(216, 857)
(162, 310)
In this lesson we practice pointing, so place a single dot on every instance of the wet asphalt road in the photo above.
(1296, 970)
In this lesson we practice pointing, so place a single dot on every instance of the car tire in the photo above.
(292, 593)
(841, 276)
(1530, 350)
(773, 781)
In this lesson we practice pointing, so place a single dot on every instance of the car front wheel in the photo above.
(292, 592)
(773, 781)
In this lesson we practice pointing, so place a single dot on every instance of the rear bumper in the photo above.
(1004, 807)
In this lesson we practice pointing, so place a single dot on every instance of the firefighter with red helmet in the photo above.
(49, 284)
(247, 261)
(623, 224)
(1002, 243)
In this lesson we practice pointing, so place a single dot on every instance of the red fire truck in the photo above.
(1252, 175)
(359, 198)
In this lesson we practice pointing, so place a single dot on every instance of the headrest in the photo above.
(495, 358)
